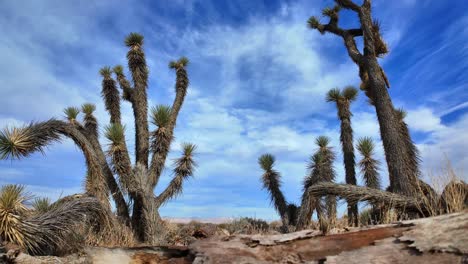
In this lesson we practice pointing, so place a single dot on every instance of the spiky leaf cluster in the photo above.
(88, 108)
(115, 133)
(368, 164)
(106, 72)
(118, 70)
(266, 162)
(71, 113)
(41, 205)
(181, 63)
(160, 115)
(134, 39)
(19, 142)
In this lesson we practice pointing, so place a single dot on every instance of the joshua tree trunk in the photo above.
(375, 84)
(343, 101)
(115, 173)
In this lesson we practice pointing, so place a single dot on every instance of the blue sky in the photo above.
(258, 79)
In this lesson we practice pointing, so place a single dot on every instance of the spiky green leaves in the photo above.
(118, 70)
(88, 108)
(12, 208)
(368, 164)
(115, 133)
(365, 146)
(12, 200)
(266, 162)
(106, 72)
(17, 142)
(188, 149)
(41, 205)
(333, 95)
(160, 115)
(350, 93)
(181, 63)
(331, 12)
(322, 141)
(313, 22)
(71, 113)
(134, 39)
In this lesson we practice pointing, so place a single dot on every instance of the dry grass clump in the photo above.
(451, 189)
(184, 234)
(247, 225)
(112, 234)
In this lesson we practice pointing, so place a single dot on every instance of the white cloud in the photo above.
(423, 119)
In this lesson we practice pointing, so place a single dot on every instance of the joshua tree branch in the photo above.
(125, 86)
(20, 142)
(348, 4)
(348, 36)
(137, 65)
(184, 167)
(359, 194)
(159, 158)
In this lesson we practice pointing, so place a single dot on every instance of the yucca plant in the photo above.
(41, 205)
(368, 164)
(320, 169)
(374, 82)
(271, 180)
(12, 209)
(343, 99)
(110, 173)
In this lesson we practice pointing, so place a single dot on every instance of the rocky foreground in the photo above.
(442, 239)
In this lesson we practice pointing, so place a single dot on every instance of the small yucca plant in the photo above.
(12, 209)
(41, 205)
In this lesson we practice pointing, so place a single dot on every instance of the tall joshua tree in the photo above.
(271, 180)
(321, 170)
(111, 171)
(374, 83)
(343, 100)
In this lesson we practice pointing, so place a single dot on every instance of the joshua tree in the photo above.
(368, 164)
(271, 180)
(374, 83)
(112, 171)
(343, 99)
(321, 170)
